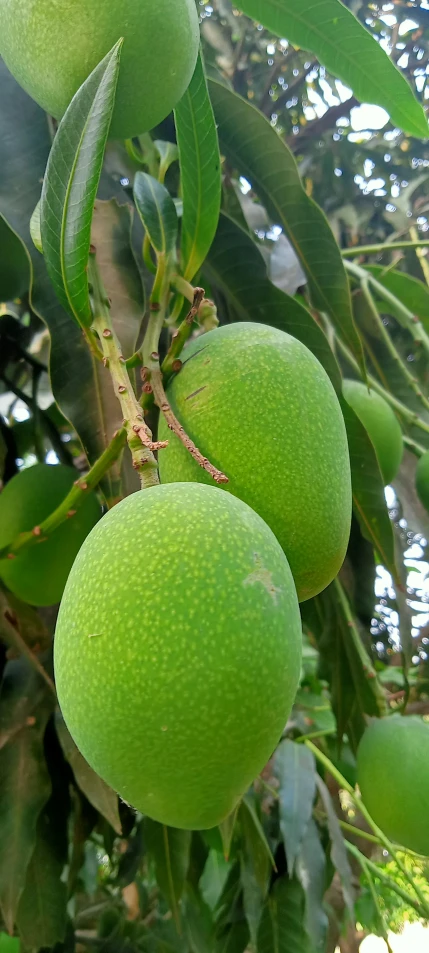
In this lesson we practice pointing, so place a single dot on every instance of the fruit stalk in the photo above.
(181, 336)
(139, 437)
(174, 424)
(67, 509)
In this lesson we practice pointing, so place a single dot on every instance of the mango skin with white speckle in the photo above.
(260, 406)
(51, 47)
(177, 651)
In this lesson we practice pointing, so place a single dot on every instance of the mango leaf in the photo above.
(311, 873)
(256, 863)
(282, 926)
(70, 186)
(232, 932)
(255, 842)
(257, 151)
(200, 172)
(14, 264)
(338, 850)
(197, 921)
(35, 229)
(368, 490)
(295, 768)
(157, 212)
(99, 794)
(80, 384)
(236, 267)
(348, 51)
(42, 911)
(25, 706)
(226, 830)
(169, 848)
(410, 291)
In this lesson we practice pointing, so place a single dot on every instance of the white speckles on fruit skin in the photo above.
(189, 688)
(266, 414)
(51, 46)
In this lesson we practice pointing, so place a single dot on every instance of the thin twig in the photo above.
(162, 402)
(67, 508)
(20, 644)
(379, 249)
(169, 365)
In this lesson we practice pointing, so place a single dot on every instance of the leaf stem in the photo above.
(181, 336)
(67, 509)
(139, 437)
(400, 364)
(20, 644)
(410, 320)
(357, 801)
(384, 246)
(379, 872)
(415, 447)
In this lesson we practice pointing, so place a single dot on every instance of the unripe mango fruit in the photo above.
(393, 776)
(422, 480)
(382, 426)
(260, 406)
(38, 574)
(177, 651)
(52, 47)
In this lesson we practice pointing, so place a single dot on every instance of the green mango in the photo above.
(259, 405)
(51, 48)
(177, 651)
(393, 776)
(382, 426)
(38, 574)
(422, 480)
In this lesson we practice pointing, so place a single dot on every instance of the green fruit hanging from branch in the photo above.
(381, 424)
(177, 651)
(259, 405)
(38, 574)
(51, 48)
(393, 776)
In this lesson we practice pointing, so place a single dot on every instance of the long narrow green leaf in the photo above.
(256, 150)
(70, 185)
(236, 267)
(157, 212)
(169, 848)
(282, 928)
(296, 770)
(328, 29)
(200, 171)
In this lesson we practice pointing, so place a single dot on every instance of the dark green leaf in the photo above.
(70, 186)
(295, 768)
(226, 830)
(169, 848)
(282, 928)
(81, 385)
(368, 490)
(200, 172)
(214, 877)
(258, 152)
(256, 846)
(410, 291)
(232, 932)
(99, 794)
(25, 705)
(342, 44)
(14, 264)
(157, 212)
(338, 850)
(197, 921)
(256, 863)
(311, 873)
(41, 916)
(235, 265)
